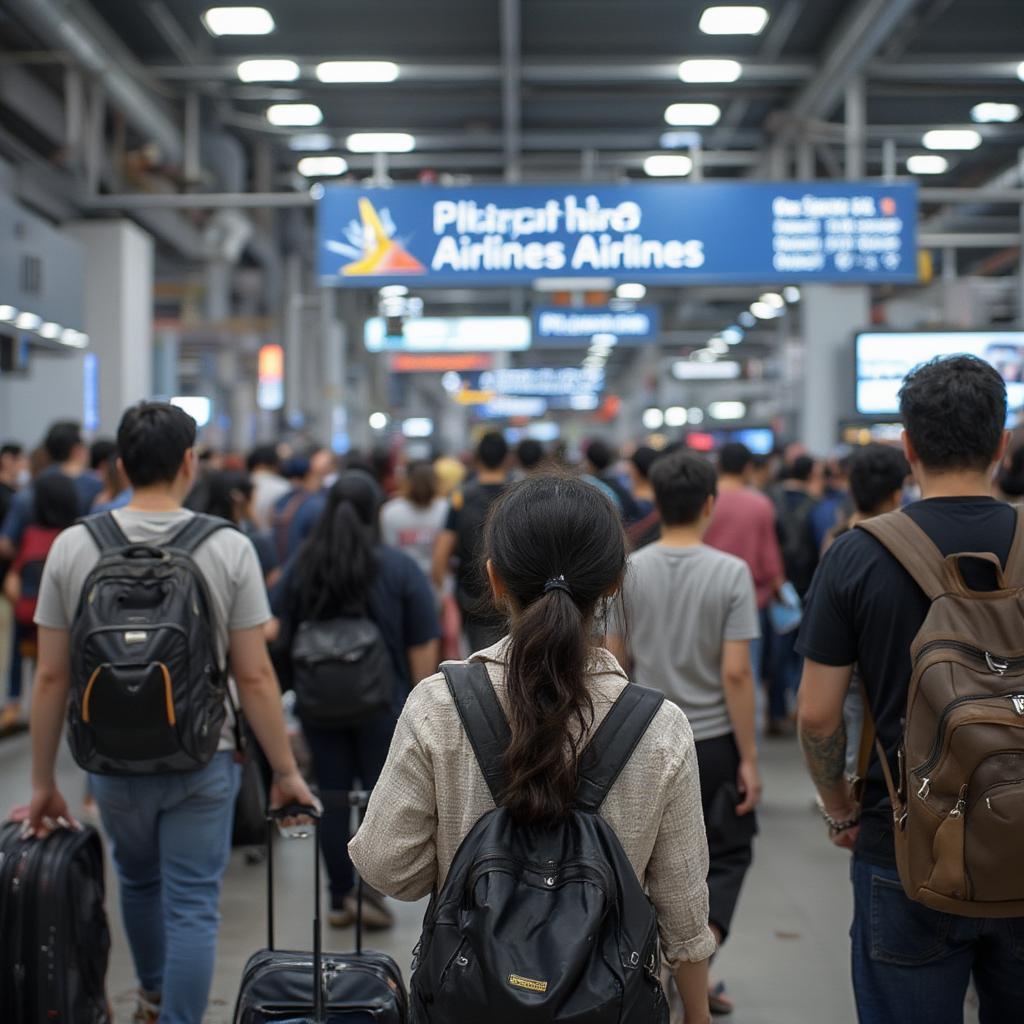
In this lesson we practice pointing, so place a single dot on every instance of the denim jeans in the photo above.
(786, 667)
(912, 965)
(340, 758)
(170, 838)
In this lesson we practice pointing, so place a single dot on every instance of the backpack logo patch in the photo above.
(1018, 703)
(528, 983)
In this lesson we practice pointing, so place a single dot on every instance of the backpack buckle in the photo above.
(999, 667)
(1018, 703)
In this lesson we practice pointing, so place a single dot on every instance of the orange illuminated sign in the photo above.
(440, 363)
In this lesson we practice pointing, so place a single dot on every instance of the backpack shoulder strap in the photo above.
(613, 744)
(104, 530)
(482, 718)
(1014, 569)
(912, 548)
(196, 531)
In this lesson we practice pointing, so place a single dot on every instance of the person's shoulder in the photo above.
(395, 562)
(669, 734)
(721, 560)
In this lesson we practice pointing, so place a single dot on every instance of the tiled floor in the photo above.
(786, 962)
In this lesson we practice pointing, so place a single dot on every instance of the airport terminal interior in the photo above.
(373, 236)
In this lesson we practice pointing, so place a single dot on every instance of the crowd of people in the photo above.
(743, 589)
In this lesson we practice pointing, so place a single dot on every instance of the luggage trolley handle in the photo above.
(345, 800)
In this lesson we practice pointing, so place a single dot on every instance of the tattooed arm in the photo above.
(823, 738)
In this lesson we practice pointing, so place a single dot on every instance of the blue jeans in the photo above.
(170, 839)
(912, 965)
(340, 758)
(786, 667)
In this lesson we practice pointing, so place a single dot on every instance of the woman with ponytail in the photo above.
(343, 571)
(555, 554)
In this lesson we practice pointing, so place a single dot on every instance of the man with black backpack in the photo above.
(140, 613)
(925, 602)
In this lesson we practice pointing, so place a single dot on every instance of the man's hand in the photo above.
(290, 788)
(748, 782)
(848, 811)
(845, 840)
(48, 811)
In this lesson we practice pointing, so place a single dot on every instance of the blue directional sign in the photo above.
(668, 233)
(569, 327)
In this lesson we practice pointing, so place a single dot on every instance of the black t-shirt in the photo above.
(865, 609)
(466, 518)
(6, 497)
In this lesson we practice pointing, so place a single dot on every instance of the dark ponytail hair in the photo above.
(542, 529)
(336, 566)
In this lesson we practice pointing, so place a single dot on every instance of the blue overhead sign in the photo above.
(682, 233)
(566, 327)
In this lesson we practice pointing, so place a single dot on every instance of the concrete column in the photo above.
(832, 314)
(118, 311)
(292, 323)
(166, 354)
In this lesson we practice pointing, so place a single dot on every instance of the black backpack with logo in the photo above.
(148, 691)
(541, 923)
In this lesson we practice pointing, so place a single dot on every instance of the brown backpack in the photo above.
(958, 796)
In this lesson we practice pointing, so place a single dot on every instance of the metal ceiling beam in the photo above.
(968, 240)
(511, 87)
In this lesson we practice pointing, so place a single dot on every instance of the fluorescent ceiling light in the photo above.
(951, 138)
(50, 330)
(418, 426)
(1020, 70)
(28, 321)
(76, 339)
(653, 419)
(703, 114)
(687, 369)
(733, 335)
(995, 113)
(719, 346)
(704, 70)
(695, 415)
(378, 420)
(763, 311)
(773, 299)
(199, 407)
(322, 166)
(733, 21)
(668, 165)
(747, 319)
(927, 163)
(8, 313)
(357, 71)
(310, 141)
(294, 115)
(704, 355)
(727, 410)
(631, 291)
(679, 140)
(791, 293)
(268, 71)
(381, 142)
(238, 21)
(675, 416)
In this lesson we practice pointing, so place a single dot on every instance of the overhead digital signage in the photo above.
(670, 233)
(565, 327)
(450, 334)
(544, 381)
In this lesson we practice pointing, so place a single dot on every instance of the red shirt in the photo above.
(743, 525)
(35, 545)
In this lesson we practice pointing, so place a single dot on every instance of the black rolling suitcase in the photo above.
(355, 988)
(54, 940)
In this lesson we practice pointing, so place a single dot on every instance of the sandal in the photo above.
(718, 1002)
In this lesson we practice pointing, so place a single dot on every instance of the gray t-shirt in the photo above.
(681, 605)
(227, 560)
(413, 529)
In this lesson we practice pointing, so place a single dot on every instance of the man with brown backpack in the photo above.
(927, 603)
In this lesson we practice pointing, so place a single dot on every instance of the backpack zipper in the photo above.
(995, 664)
(1014, 696)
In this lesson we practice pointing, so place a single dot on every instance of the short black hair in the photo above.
(530, 453)
(61, 440)
(734, 458)
(954, 412)
(643, 458)
(152, 439)
(54, 501)
(101, 451)
(801, 468)
(492, 450)
(263, 455)
(876, 472)
(600, 455)
(682, 483)
(11, 448)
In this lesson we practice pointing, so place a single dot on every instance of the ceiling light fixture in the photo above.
(378, 420)
(727, 410)
(951, 138)
(733, 21)
(773, 299)
(631, 291)
(704, 70)
(679, 139)
(310, 142)
(675, 416)
(791, 293)
(747, 319)
(733, 335)
(695, 415)
(995, 113)
(8, 313)
(763, 311)
(50, 330)
(294, 115)
(381, 142)
(653, 419)
(338, 71)
(1020, 70)
(268, 70)
(238, 21)
(700, 114)
(322, 166)
(719, 346)
(75, 339)
(668, 165)
(28, 321)
(393, 291)
(927, 163)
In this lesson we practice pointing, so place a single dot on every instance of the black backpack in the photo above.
(541, 923)
(341, 671)
(147, 689)
(796, 539)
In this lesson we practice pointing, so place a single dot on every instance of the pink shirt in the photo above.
(743, 525)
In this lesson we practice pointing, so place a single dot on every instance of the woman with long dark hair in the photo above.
(341, 576)
(555, 551)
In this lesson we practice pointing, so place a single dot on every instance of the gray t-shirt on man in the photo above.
(227, 561)
(681, 605)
